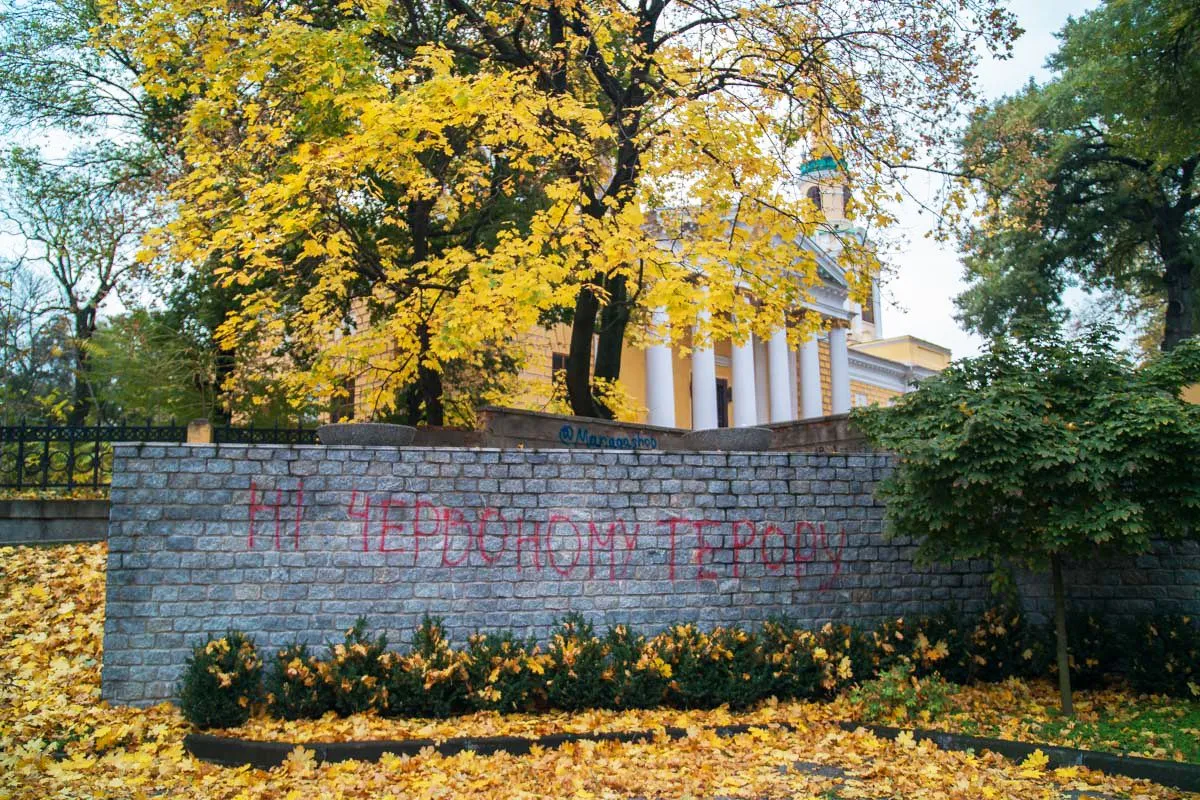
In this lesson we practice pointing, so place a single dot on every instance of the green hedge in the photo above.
(682, 667)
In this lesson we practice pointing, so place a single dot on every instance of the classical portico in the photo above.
(769, 380)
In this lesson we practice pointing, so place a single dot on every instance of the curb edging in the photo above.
(1176, 774)
(232, 752)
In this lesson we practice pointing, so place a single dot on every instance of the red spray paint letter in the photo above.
(388, 525)
(740, 544)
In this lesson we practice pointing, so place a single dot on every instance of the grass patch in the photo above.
(1171, 732)
(1113, 720)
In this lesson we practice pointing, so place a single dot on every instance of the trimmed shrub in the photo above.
(357, 671)
(297, 685)
(845, 654)
(788, 652)
(1093, 650)
(432, 680)
(637, 674)
(221, 681)
(1165, 656)
(724, 667)
(939, 648)
(575, 667)
(505, 674)
(1002, 645)
(682, 667)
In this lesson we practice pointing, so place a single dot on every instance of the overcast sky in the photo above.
(919, 297)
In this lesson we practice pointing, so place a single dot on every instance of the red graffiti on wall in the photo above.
(276, 508)
(563, 544)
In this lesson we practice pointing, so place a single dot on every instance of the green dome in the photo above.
(824, 164)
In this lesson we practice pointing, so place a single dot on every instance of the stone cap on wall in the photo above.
(512, 427)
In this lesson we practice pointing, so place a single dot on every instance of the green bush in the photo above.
(1002, 644)
(724, 667)
(576, 665)
(297, 684)
(505, 674)
(682, 667)
(221, 681)
(939, 646)
(928, 645)
(637, 675)
(357, 671)
(898, 696)
(1093, 650)
(432, 680)
(846, 653)
(1164, 656)
(788, 654)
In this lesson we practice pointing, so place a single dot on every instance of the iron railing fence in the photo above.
(277, 434)
(68, 457)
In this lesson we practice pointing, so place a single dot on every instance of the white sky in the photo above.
(918, 299)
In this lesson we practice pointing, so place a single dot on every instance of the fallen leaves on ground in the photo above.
(58, 739)
(1110, 720)
(332, 728)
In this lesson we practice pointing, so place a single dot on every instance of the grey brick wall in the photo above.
(293, 543)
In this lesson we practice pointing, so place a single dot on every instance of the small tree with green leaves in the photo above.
(1044, 448)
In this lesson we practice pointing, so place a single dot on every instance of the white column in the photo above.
(793, 382)
(810, 379)
(839, 371)
(704, 384)
(777, 355)
(856, 319)
(745, 407)
(660, 375)
(877, 308)
(762, 394)
(761, 390)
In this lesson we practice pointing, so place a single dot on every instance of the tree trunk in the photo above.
(1060, 636)
(81, 396)
(429, 381)
(579, 356)
(1178, 268)
(614, 319)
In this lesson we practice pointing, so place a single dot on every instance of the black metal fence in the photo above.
(80, 456)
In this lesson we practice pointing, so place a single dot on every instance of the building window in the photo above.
(860, 399)
(814, 196)
(845, 201)
(558, 363)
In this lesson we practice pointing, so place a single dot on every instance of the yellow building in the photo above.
(764, 381)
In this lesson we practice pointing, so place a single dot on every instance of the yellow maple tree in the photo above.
(400, 189)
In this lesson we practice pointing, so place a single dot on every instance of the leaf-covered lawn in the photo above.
(1109, 720)
(57, 739)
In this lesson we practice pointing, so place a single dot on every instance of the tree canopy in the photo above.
(397, 187)
(81, 225)
(1044, 448)
(1090, 178)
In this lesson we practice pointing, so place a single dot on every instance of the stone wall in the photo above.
(517, 427)
(293, 543)
(52, 521)
(514, 427)
(830, 434)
